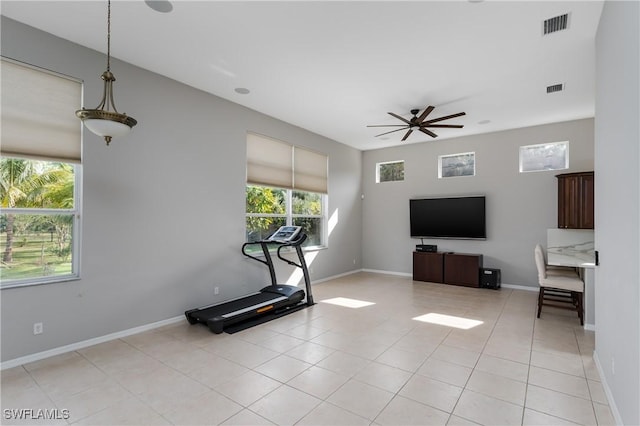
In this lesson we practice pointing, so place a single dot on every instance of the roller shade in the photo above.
(269, 162)
(275, 163)
(38, 113)
(310, 170)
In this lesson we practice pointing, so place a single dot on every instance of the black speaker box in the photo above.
(427, 247)
(490, 278)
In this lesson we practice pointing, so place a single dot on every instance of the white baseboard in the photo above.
(607, 390)
(86, 343)
(519, 287)
(378, 271)
(355, 271)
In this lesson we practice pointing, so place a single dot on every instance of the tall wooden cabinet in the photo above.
(576, 200)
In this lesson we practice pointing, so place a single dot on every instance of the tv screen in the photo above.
(448, 217)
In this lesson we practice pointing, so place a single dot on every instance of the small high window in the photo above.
(544, 156)
(390, 171)
(454, 165)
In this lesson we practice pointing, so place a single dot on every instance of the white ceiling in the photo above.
(335, 67)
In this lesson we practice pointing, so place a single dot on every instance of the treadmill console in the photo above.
(285, 234)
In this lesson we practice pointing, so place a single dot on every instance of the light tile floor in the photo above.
(335, 365)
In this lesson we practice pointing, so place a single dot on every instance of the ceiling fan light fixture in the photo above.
(102, 120)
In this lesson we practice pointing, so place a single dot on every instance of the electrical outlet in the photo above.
(354, 261)
(216, 290)
(37, 328)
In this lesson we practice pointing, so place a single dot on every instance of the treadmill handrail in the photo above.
(302, 265)
(290, 262)
(297, 244)
(250, 255)
(264, 244)
(298, 241)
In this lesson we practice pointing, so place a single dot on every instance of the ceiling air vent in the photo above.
(555, 88)
(557, 23)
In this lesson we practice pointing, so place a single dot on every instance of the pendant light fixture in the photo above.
(102, 120)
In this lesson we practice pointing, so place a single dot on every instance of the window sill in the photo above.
(38, 281)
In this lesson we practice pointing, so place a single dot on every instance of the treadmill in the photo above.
(270, 302)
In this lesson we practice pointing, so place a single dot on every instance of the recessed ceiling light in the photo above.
(162, 6)
(484, 122)
(242, 90)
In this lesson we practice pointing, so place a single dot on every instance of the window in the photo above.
(39, 221)
(545, 156)
(286, 185)
(390, 171)
(269, 208)
(39, 176)
(457, 165)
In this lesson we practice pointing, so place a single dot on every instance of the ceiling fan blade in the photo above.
(400, 118)
(425, 113)
(386, 125)
(386, 133)
(407, 135)
(446, 117)
(430, 133)
(448, 126)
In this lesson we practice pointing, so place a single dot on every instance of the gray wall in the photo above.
(617, 140)
(520, 206)
(163, 208)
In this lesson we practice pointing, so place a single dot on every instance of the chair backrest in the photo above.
(540, 263)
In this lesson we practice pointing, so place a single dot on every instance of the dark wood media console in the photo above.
(448, 268)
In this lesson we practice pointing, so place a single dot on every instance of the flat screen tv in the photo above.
(448, 218)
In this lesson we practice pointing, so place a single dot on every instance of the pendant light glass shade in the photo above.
(102, 120)
(107, 127)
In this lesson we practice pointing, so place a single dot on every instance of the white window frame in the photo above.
(525, 148)
(289, 215)
(76, 233)
(382, 163)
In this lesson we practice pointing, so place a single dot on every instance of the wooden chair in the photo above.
(562, 288)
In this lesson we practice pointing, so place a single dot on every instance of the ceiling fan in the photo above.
(420, 123)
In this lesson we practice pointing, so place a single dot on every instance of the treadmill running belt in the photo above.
(261, 319)
(235, 305)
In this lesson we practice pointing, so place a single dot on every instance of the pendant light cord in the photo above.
(109, 35)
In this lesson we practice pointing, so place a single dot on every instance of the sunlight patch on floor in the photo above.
(449, 321)
(348, 303)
